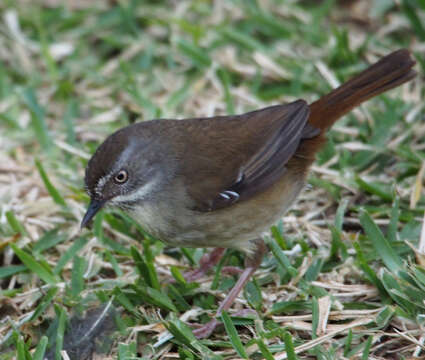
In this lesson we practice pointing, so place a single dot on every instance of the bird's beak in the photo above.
(94, 207)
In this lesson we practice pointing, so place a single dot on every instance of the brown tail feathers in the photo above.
(389, 72)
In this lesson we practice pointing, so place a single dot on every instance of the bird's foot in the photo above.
(191, 276)
(231, 270)
(206, 330)
(207, 262)
(194, 275)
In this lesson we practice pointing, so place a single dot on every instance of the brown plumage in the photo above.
(227, 155)
(222, 181)
(389, 72)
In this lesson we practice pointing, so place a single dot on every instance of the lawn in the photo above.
(345, 277)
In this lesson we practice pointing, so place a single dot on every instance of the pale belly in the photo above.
(232, 227)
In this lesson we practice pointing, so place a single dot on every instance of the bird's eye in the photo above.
(121, 177)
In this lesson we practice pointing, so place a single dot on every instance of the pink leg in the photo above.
(252, 265)
(231, 270)
(207, 262)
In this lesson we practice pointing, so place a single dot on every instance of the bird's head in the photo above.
(127, 169)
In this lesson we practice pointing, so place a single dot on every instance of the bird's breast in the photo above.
(173, 222)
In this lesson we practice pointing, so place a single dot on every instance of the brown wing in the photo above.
(232, 158)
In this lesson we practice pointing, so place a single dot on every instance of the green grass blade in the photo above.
(182, 304)
(289, 347)
(40, 350)
(284, 307)
(392, 228)
(381, 244)
(314, 270)
(315, 317)
(127, 351)
(60, 333)
(374, 189)
(68, 119)
(21, 351)
(10, 270)
(197, 55)
(42, 271)
(241, 38)
(410, 9)
(224, 77)
(44, 303)
(146, 269)
(48, 240)
(233, 335)
(252, 293)
(367, 346)
(384, 317)
(45, 51)
(217, 276)
(281, 258)
(339, 216)
(114, 263)
(177, 275)
(38, 118)
(162, 299)
(277, 235)
(70, 253)
(14, 223)
(264, 350)
(54, 193)
(348, 341)
(150, 264)
(183, 334)
(125, 301)
(77, 276)
(188, 253)
(370, 274)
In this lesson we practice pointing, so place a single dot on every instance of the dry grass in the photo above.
(70, 75)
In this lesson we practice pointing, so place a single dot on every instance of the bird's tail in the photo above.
(389, 72)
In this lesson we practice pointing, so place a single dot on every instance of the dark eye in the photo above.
(121, 177)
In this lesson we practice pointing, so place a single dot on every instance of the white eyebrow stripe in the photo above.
(139, 194)
(100, 184)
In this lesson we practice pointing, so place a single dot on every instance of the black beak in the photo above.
(94, 207)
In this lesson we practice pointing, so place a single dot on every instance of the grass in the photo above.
(345, 277)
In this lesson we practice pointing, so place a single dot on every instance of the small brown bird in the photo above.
(222, 181)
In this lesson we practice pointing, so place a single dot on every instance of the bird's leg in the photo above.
(251, 264)
(231, 270)
(207, 262)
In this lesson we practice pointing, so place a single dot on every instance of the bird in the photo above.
(221, 182)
